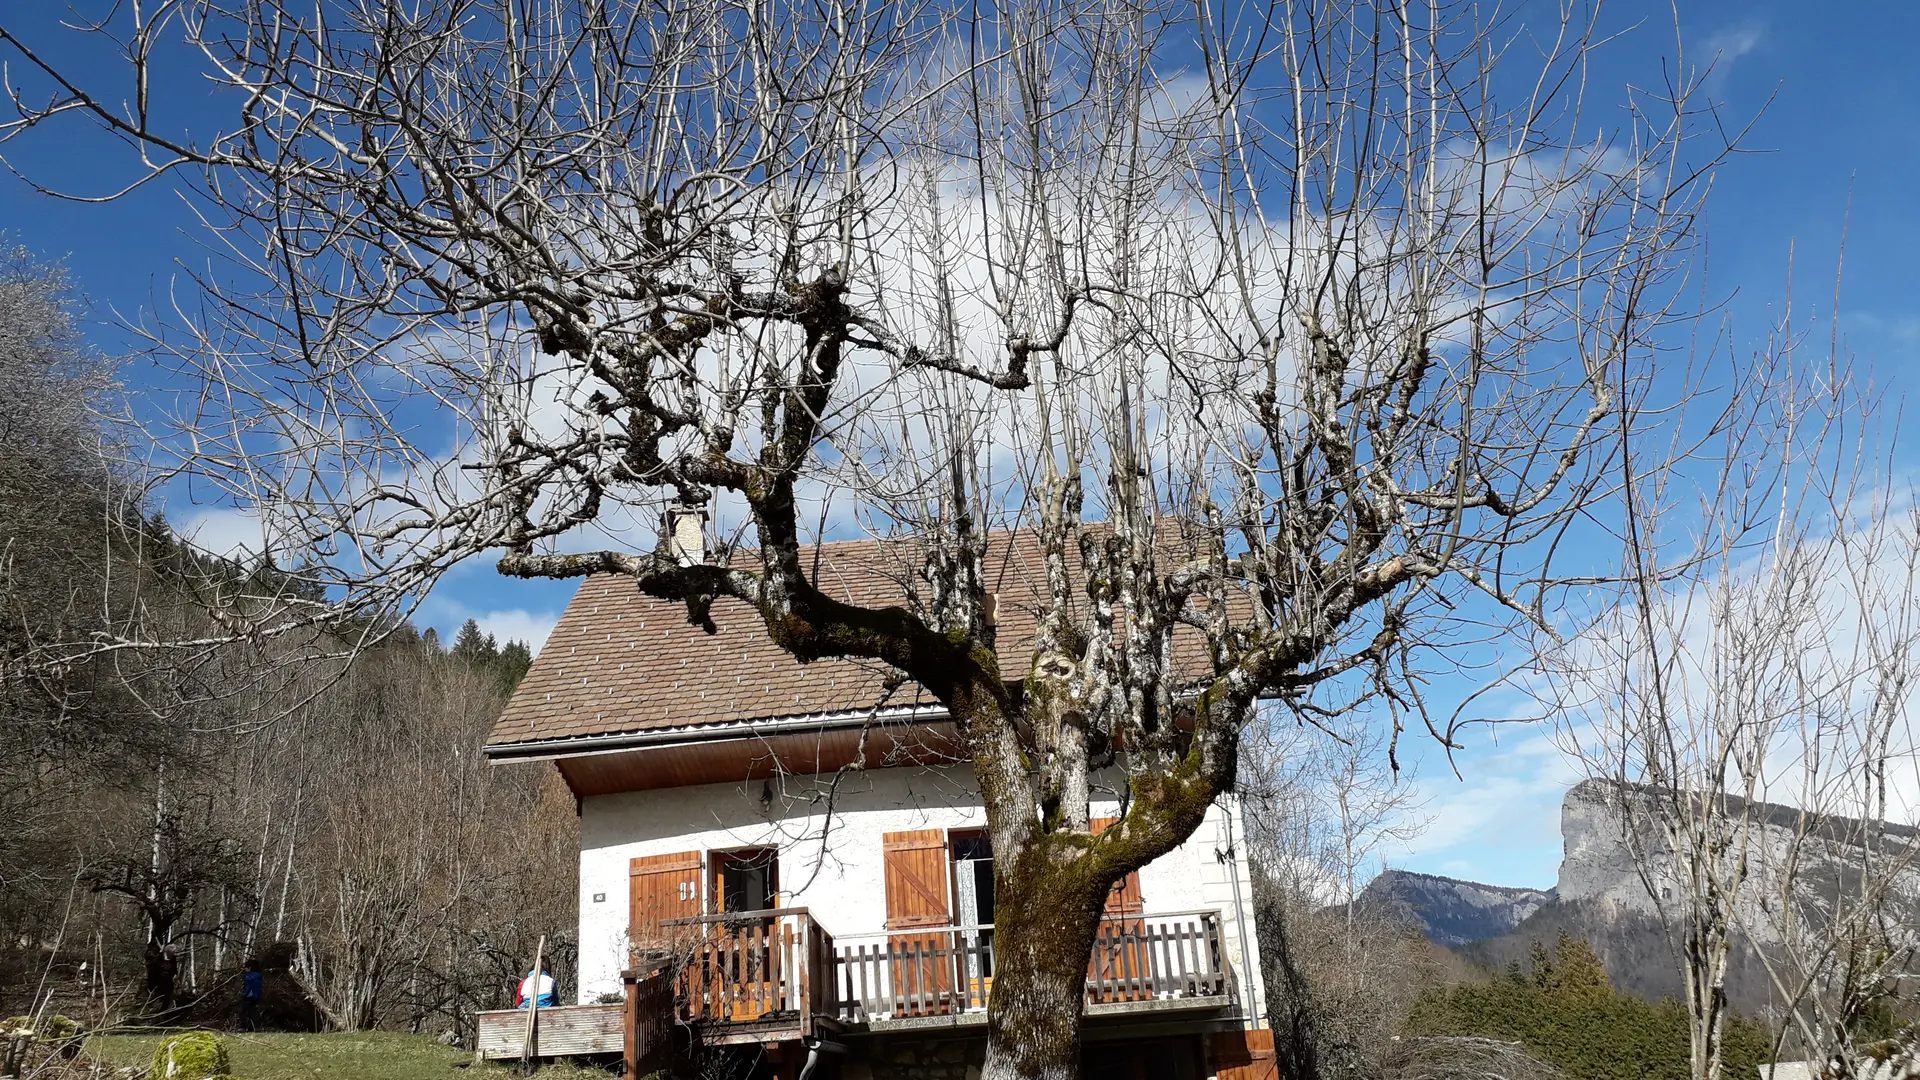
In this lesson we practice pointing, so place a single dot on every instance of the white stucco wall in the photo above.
(841, 880)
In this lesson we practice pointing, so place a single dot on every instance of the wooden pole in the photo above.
(533, 1005)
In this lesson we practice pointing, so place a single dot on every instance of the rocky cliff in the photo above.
(1595, 864)
(1825, 853)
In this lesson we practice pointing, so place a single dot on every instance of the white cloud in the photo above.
(1782, 672)
(1728, 44)
(531, 627)
(227, 531)
(1501, 825)
(476, 593)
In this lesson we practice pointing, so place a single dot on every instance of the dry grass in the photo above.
(358, 1055)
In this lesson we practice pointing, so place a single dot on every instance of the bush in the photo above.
(1565, 1011)
(193, 1055)
(52, 1028)
(56, 1028)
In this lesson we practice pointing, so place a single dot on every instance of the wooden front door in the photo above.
(662, 887)
(920, 965)
(1120, 968)
(746, 960)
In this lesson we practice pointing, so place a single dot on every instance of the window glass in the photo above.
(747, 880)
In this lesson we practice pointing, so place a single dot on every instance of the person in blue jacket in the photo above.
(253, 989)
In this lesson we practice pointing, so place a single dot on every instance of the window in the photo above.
(973, 899)
(747, 880)
(972, 879)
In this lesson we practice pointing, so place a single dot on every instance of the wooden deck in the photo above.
(759, 977)
(559, 1031)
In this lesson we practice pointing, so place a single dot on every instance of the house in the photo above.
(809, 841)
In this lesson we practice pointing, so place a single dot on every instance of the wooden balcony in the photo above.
(751, 976)
(943, 975)
(775, 976)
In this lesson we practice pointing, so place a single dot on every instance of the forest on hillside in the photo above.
(173, 813)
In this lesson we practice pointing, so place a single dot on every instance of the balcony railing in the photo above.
(748, 966)
(781, 968)
(948, 970)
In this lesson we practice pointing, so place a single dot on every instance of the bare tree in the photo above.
(1332, 804)
(1763, 650)
(1683, 708)
(413, 894)
(1341, 976)
(1838, 888)
(163, 883)
(150, 813)
(1342, 985)
(1294, 338)
(60, 505)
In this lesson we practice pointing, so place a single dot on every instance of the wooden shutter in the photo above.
(920, 966)
(1125, 898)
(916, 879)
(1120, 968)
(661, 887)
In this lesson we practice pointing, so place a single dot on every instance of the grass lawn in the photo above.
(356, 1055)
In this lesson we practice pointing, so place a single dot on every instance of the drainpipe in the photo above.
(1231, 858)
(816, 1047)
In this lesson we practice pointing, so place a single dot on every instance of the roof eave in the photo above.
(584, 745)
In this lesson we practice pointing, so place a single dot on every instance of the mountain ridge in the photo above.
(1600, 896)
(1452, 911)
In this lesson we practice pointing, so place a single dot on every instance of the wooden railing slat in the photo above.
(911, 973)
(1185, 973)
(916, 978)
(864, 996)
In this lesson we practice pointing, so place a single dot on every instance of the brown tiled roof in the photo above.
(619, 662)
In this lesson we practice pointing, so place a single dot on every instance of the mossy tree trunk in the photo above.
(1045, 921)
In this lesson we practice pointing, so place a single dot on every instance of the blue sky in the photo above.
(1837, 149)
(1843, 128)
